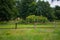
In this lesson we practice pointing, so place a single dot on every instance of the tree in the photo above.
(26, 8)
(7, 9)
(44, 9)
(38, 19)
(57, 12)
(31, 7)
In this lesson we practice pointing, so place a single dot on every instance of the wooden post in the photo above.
(15, 25)
(54, 24)
(16, 22)
(34, 25)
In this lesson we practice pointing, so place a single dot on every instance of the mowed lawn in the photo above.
(24, 26)
(27, 25)
(13, 25)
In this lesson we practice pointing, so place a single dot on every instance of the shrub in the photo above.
(39, 19)
(3, 22)
(42, 19)
(21, 21)
(31, 18)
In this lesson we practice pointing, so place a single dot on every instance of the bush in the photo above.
(42, 19)
(3, 22)
(39, 19)
(21, 21)
(31, 18)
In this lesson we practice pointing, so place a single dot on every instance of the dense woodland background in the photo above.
(28, 10)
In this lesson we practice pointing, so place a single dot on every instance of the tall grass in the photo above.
(30, 34)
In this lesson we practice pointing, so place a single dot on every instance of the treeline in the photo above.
(12, 9)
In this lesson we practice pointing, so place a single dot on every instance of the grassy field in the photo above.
(26, 26)
(31, 33)
(12, 25)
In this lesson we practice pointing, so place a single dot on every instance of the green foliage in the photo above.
(42, 19)
(21, 21)
(26, 7)
(7, 9)
(39, 19)
(11, 9)
(31, 7)
(31, 18)
(57, 12)
(44, 9)
(3, 23)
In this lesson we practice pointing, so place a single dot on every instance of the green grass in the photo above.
(24, 26)
(29, 34)
(7, 26)
(12, 25)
